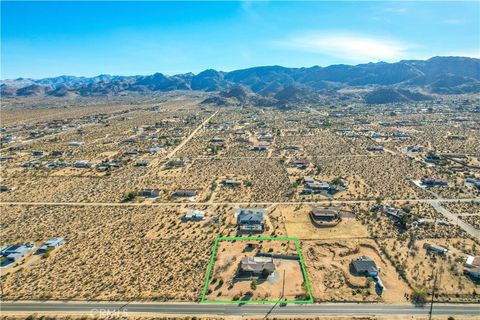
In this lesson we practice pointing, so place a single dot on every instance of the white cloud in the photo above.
(352, 47)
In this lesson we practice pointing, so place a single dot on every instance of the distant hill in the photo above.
(387, 82)
(392, 95)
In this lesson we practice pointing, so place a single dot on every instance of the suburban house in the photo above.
(150, 193)
(313, 186)
(472, 267)
(433, 182)
(415, 149)
(364, 266)
(392, 211)
(432, 158)
(50, 245)
(260, 148)
(232, 182)
(56, 153)
(141, 164)
(475, 182)
(325, 217)
(37, 153)
(250, 220)
(435, 249)
(292, 148)
(300, 163)
(375, 148)
(82, 164)
(74, 144)
(194, 215)
(256, 266)
(186, 193)
(16, 252)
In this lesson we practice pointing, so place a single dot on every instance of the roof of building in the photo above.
(473, 261)
(17, 248)
(54, 241)
(257, 264)
(322, 211)
(364, 264)
(195, 214)
(249, 215)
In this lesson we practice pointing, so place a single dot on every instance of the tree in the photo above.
(253, 285)
(419, 295)
(378, 200)
(265, 272)
(129, 196)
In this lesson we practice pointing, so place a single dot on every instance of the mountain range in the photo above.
(406, 80)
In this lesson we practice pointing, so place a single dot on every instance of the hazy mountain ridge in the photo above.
(389, 82)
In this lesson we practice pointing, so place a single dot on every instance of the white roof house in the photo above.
(195, 215)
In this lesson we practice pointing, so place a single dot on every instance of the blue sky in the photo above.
(41, 39)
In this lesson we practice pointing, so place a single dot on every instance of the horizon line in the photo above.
(258, 66)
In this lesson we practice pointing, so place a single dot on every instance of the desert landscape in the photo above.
(118, 184)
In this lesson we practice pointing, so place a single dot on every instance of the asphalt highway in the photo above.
(136, 308)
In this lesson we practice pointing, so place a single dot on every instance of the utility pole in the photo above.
(283, 285)
(433, 294)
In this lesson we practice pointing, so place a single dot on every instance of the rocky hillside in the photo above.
(388, 82)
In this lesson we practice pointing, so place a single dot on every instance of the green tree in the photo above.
(253, 285)
(419, 295)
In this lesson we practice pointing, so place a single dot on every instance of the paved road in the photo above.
(136, 308)
(455, 220)
(141, 204)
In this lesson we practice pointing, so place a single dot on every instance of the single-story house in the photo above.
(472, 266)
(432, 182)
(435, 249)
(82, 164)
(51, 244)
(250, 219)
(364, 266)
(322, 215)
(56, 153)
(265, 138)
(294, 148)
(432, 158)
(37, 153)
(16, 252)
(375, 148)
(256, 266)
(185, 193)
(194, 215)
(318, 185)
(232, 182)
(392, 211)
(415, 149)
(75, 144)
(260, 148)
(302, 163)
(150, 193)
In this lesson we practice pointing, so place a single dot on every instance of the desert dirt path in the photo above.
(194, 132)
(141, 204)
